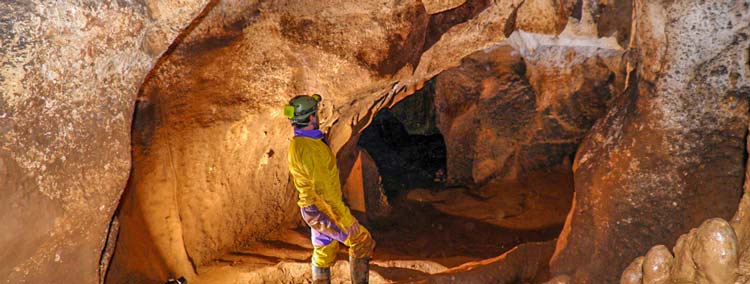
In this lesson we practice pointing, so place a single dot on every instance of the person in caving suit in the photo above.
(316, 177)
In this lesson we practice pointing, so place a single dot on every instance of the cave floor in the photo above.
(429, 231)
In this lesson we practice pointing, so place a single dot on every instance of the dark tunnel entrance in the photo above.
(432, 220)
(406, 144)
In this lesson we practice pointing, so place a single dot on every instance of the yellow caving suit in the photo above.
(316, 177)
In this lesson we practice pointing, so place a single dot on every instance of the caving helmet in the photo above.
(300, 108)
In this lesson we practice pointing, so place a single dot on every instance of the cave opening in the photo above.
(406, 144)
(451, 223)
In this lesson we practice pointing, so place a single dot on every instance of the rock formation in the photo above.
(510, 111)
(363, 188)
(70, 73)
(669, 154)
(523, 264)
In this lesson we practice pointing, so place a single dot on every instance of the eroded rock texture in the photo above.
(507, 113)
(669, 154)
(70, 72)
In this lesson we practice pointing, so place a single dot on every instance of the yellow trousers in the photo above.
(360, 246)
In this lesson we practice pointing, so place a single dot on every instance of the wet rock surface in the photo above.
(708, 254)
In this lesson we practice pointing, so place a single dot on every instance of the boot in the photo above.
(321, 275)
(360, 268)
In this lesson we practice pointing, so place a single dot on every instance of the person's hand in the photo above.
(353, 230)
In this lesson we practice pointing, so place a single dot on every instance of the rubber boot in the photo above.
(321, 275)
(360, 268)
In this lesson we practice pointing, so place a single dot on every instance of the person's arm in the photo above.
(302, 176)
(302, 167)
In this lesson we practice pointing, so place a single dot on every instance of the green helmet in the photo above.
(300, 108)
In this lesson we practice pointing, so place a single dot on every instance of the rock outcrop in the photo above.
(69, 75)
(363, 188)
(509, 111)
(670, 153)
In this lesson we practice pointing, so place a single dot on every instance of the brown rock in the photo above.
(741, 225)
(714, 252)
(657, 265)
(615, 20)
(669, 154)
(437, 6)
(487, 29)
(560, 279)
(70, 73)
(708, 254)
(395, 33)
(683, 268)
(363, 188)
(543, 16)
(633, 274)
(525, 263)
(504, 118)
(441, 22)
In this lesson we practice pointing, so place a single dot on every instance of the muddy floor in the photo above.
(430, 230)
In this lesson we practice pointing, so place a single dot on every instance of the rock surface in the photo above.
(544, 16)
(540, 201)
(437, 6)
(363, 188)
(708, 254)
(507, 113)
(669, 154)
(523, 264)
(70, 73)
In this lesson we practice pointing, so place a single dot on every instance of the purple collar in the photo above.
(315, 133)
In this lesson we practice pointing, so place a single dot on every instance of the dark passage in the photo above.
(406, 144)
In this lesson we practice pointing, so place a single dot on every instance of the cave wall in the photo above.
(210, 141)
(202, 108)
(671, 153)
(69, 74)
(524, 107)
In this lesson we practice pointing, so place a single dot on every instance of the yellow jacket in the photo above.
(316, 177)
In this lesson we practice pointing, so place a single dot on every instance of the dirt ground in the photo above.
(429, 231)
